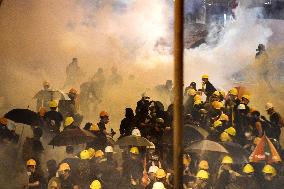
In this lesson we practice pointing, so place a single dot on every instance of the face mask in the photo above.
(29, 173)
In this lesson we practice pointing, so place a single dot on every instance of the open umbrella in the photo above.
(237, 152)
(206, 146)
(265, 151)
(133, 141)
(72, 137)
(194, 133)
(24, 116)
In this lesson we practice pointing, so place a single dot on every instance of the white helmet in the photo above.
(241, 107)
(136, 132)
(109, 149)
(158, 185)
(268, 106)
(153, 169)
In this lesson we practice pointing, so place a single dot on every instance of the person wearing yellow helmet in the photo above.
(248, 179)
(35, 179)
(225, 137)
(226, 173)
(207, 87)
(85, 155)
(271, 180)
(102, 135)
(53, 118)
(245, 99)
(203, 165)
(66, 179)
(202, 178)
(276, 119)
(69, 123)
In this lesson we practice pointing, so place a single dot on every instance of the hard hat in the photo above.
(46, 83)
(205, 76)
(73, 91)
(99, 153)
(216, 93)
(94, 127)
(203, 164)
(31, 162)
(161, 173)
(233, 91)
(268, 169)
(64, 167)
(227, 160)
(134, 150)
(153, 169)
(158, 185)
(223, 117)
(68, 121)
(197, 97)
(231, 131)
(241, 107)
(160, 120)
(197, 102)
(186, 161)
(136, 132)
(104, 114)
(95, 185)
(224, 137)
(217, 105)
(245, 96)
(202, 174)
(3, 121)
(268, 106)
(42, 111)
(217, 123)
(256, 140)
(191, 92)
(53, 104)
(109, 149)
(92, 152)
(248, 168)
(85, 154)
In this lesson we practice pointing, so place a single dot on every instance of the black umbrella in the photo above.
(24, 116)
(133, 140)
(72, 137)
(194, 133)
(237, 152)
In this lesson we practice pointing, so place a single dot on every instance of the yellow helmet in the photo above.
(222, 93)
(99, 153)
(224, 137)
(268, 169)
(31, 162)
(92, 152)
(134, 150)
(217, 105)
(85, 154)
(227, 160)
(68, 121)
(64, 167)
(104, 114)
(191, 92)
(246, 97)
(53, 104)
(231, 131)
(248, 168)
(202, 174)
(161, 173)
(233, 91)
(223, 117)
(197, 102)
(205, 76)
(94, 127)
(216, 93)
(203, 164)
(217, 123)
(96, 185)
(197, 97)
